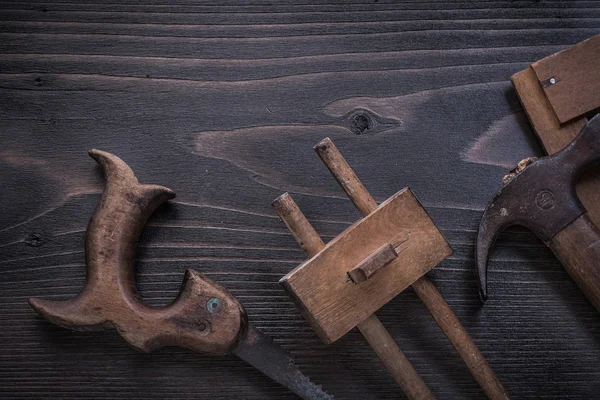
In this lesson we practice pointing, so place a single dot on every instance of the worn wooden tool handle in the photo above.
(424, 288)
(372, 329)
(205, 317)
(577, 246)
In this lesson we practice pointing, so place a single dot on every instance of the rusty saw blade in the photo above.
(263, 354)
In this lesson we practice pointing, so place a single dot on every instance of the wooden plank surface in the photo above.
(571, 79)
(322, 288)
(223, 103)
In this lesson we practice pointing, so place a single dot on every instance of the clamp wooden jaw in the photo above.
(204, 317)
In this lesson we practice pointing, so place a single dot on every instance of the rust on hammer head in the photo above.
(540, 196)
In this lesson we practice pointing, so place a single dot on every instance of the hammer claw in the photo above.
(492, 224)
(541, 196)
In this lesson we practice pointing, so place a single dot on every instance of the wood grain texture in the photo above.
(570, 79)
(424, 288)
(222, 103)
(380, 340)
(554, 135)
(577, 246)
(321, 286)
(109, 298)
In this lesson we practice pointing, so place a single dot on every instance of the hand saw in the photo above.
(205, 317)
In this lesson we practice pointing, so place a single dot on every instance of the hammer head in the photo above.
(541, 196)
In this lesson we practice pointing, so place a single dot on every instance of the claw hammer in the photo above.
(540, 195)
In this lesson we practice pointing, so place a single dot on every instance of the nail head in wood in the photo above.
(570, 79)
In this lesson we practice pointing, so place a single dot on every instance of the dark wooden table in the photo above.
(223, 103)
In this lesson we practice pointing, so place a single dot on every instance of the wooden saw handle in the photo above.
(205, 317)
(577, 246)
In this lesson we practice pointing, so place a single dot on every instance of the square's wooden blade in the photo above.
(571, 79)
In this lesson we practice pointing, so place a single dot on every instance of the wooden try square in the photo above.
(570, 79)
(330, 301)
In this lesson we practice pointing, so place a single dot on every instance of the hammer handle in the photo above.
(424, 288)
(577, 246)
(372, 329)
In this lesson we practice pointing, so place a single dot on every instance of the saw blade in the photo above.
(262, 353)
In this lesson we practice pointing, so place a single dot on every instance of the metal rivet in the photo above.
(202, 326)
(552, 81)
(214, 305)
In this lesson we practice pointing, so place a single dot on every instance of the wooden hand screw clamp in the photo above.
(346, 281)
